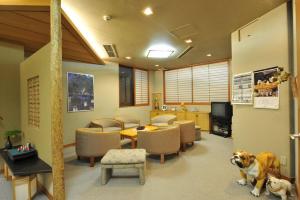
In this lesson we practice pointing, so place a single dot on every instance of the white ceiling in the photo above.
(211, 21)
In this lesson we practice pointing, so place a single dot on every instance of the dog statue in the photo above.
(255, 167)
(279, 187)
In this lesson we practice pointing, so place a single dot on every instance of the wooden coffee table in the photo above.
(131, 134)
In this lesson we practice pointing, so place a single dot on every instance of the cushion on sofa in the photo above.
(124, 156)
(111, 129)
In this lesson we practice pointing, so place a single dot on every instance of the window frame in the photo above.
(191, 66)
(134, 87)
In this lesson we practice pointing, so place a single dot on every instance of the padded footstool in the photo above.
(121, 159)
(198, 133)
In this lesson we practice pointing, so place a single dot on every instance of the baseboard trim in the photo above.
(69, 145)
(44, 191)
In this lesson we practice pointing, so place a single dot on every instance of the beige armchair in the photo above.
(128, 122)
(92, 142)
(161, 141)
(163, 120)
(187, 132)
(106, 124)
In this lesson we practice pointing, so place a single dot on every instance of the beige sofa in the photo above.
(106, 124)
(92, 142)
(161, 141)
(128, 122)
(163, 120)
(187, 132)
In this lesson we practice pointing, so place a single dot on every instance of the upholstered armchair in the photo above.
(92, 142)
(163, 120)
(187, 132)
(128, 122)
(106, 124)
(161, 141)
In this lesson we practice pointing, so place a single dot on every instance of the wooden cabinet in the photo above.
(201, 118)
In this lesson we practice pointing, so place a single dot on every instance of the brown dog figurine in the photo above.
(256, 167)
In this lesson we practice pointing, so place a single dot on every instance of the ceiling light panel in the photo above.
(159, 53)
(148, 11)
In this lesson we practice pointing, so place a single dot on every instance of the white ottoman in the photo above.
(198, 133)
(121, 159)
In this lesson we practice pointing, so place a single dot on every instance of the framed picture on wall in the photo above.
(266, 91)
(242, 89)
(80, 92)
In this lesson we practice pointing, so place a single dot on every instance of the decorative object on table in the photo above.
(140, 128)
(278, 187)
(164, 107)
(80, 92)
(256, 167)
(183, 107)
(266, 87)
(8, 135)
(242, 88)
(22, 152)
(156, 100)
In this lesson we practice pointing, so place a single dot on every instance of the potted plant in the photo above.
(8, 134)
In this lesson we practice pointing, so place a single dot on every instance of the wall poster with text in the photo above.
(242, 88)
(266, 91)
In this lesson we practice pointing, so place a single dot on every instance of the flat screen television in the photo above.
(221, 109)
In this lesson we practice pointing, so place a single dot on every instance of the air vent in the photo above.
(111, 50)
(185, 51)
(184, 32)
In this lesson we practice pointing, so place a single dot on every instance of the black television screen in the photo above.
(218, 110)
(221, 109)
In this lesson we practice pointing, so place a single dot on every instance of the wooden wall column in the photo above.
(56, 101)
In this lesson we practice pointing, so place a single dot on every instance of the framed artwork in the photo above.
(266, 91)
(80, 92)
(242, 89)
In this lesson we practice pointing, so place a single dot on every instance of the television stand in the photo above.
(221, 126)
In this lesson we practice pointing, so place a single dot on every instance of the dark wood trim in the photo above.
(67, 22)
(69, 145)
(44, 190)
(31, 8)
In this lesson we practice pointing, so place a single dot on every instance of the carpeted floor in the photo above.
(202, 172)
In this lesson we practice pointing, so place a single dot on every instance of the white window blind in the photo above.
(205, 83)
(200, 84)
(141, 87)
(171, 86)
(185, 85)
(218, 82)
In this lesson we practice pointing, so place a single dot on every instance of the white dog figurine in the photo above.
(279, 187)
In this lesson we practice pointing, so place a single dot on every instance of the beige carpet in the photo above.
(202, 172)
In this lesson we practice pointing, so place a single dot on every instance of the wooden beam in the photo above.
(56, 101)
(25, 2)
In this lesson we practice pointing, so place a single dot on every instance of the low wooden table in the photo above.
(132, 134)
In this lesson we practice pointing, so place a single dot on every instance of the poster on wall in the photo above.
(266, 91)
(80, 92)
(242, 89)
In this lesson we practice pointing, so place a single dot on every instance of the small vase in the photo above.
(8, 144)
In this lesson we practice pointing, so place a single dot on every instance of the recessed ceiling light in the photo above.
(208, 55)
(188, 41)
(159, 53)
(156, 65)
(148, 11)
(128, 57)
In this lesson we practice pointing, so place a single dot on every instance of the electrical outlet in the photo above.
(283, 160)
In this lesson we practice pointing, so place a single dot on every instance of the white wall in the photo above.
(258, 130)
(38, 64)
(10, 58)
(106, 98)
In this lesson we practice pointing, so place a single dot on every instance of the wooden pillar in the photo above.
(56, 101)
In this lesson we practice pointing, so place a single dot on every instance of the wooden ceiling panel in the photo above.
(31, 28)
